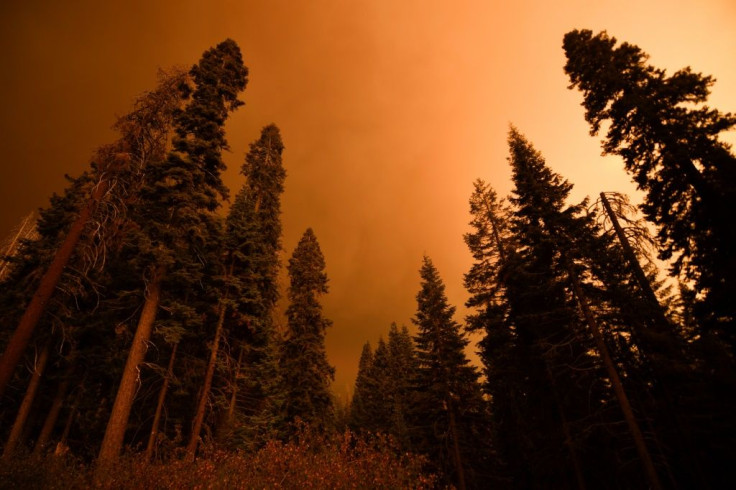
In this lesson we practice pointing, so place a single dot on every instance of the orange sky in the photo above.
(389, 109)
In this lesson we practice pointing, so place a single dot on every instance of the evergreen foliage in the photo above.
(305, 372)
(162, 329)
(360, 410)
(669, 142)
(555, 344)
(383, 398)
(448, 415)
(175, 234)
(253, 243)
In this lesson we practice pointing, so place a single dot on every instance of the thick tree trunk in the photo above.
(22, 335)
(160, 406)
(25, 406)
(618, 388)
(112, 442)
(202, 405)
(52, 416)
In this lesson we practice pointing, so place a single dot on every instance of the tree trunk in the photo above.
(22, 335)
(25, 406)
(159, 406)
(234, 396)
(566, 431)
(630, 256)
(112, 443)
(201, 406)
(618, 388)
(22, 232)
(663, 325)
(61, 446)
(52, 416)
(456, 447)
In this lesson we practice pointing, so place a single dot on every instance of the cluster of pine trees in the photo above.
(139, 316)
(596, 374)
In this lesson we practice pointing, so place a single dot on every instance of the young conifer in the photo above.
(448, 409)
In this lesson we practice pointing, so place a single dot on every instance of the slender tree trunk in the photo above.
(22, 335)
(456, 447)
(618, 388)
(52, 416)
(11, 247)
(660, 321)
(112, 443)
(566, 431)
(201, 406)
(25, 406)
(160, 406)
(630, 256)
(61, 445)
(234, 395)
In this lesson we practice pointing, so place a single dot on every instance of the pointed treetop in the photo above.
(306, 266)
(536, 185)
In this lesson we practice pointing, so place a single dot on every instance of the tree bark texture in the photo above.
(202, 405)
(112, 442)
(25, 406)
(22, 335)
(23, 232)
(52, 416)
(160, 406)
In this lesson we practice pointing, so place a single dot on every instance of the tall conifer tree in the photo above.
(253, 244)
(383, 398)
(304, 370)
(549, 304)
(175, 215)
(505, 359)
(669, 141)
(360, 404)
(448, 409)
(78, 312)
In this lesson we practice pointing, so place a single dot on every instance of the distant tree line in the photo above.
(597, 373)
(138, 316)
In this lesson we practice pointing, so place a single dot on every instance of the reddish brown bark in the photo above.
(22, 335)
(112, 442)
(160, 406)
(23, 232)
(25, 406)
(201, 406)
(52, 416)
(234, 395)
(61, 446)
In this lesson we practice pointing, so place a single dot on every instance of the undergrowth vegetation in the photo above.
(310, 460)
